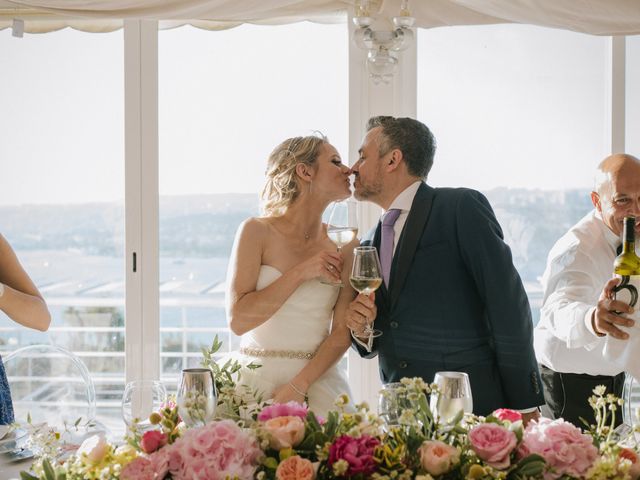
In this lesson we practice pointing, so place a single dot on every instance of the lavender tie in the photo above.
(386, 242)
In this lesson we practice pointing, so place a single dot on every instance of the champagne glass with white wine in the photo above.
(342, 226)
(366, 277)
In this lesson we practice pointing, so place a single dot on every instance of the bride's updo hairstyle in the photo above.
(283, 186)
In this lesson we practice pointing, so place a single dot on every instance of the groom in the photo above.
(451, 298)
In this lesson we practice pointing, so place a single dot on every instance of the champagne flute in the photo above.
(342, 226)
(366, 277)
(454, 394)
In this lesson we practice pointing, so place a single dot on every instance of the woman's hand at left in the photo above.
(286, 393)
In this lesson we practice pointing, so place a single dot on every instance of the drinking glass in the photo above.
(392, 400)
(454, 394)
(140, 399)
(197, 397)
(342, 226)
(366, 277)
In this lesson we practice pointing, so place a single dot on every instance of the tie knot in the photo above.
(389, 218)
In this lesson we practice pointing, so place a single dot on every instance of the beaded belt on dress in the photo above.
(260, 352)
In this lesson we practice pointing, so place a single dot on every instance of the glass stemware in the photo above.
(454, 394)
(342, 226)
(140, 399)
(366, 277)
(197, 397)
(392, 401)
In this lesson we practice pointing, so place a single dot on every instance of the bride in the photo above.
(289, 321)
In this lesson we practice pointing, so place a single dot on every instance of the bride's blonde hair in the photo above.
(282, 186)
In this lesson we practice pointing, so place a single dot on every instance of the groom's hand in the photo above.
(360, 313)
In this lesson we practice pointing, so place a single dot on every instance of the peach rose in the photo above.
(437, 457)
(295, 468)
(95, 448)
(632, 456)
(284, 432)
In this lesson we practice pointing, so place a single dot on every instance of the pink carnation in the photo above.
(506, 414)
(153, 440)
(564, 447)
(290, 409)
(493, 444)
(215, 451)
(138, 469)
(357, 452)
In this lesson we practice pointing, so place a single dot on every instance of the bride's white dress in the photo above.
(297, 328)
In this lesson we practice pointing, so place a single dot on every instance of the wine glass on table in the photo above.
(342, 226)
(366, 277)
(454, 395)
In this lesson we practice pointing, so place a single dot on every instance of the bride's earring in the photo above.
(310, 186)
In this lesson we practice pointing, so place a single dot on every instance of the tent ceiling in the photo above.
(599, 17)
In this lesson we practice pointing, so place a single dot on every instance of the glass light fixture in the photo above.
(382, 45)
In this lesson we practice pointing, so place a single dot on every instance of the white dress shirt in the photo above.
(578, 266)
(403, 203)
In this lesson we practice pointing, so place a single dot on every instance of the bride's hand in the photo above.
(286, 393)
(326, 264)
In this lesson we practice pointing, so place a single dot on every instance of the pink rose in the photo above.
(284, 432)
(506, 414)
(493, 444)
(138, 469)
(563, 446)
(160, 461)
(290, 409)
(153, 440)
(357, 452)
(628, 454)
(437, 457)
(295, 468)
(95, 448)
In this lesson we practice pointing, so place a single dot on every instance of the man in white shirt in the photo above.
(451, 298)
(578, 310)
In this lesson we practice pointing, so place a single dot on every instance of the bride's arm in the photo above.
(247, 307)
(333, 347)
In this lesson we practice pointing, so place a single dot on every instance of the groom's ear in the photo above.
(393, 160)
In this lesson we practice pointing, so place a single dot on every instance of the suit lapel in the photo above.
(409, 239)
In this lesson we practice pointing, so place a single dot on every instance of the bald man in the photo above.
(577, 311)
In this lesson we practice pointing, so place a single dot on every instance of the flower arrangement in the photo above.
(288, 441)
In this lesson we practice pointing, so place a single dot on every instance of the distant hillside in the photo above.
(204, 225)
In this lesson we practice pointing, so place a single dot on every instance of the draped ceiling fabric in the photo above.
(598, 17)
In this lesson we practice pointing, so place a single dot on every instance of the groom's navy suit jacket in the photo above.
(456, 302)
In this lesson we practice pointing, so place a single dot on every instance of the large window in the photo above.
(518, 113)
(62, 192)
(227, 99)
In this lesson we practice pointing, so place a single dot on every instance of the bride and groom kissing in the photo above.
(451, 298)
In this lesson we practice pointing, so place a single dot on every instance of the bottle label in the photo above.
(624, 353)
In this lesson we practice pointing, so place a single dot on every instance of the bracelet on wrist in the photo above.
(1, 289)
(299, 392)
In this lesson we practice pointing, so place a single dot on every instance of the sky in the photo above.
(510, 105)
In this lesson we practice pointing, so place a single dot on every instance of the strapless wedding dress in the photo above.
(284, 343)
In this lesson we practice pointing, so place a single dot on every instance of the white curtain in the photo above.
(599, 17)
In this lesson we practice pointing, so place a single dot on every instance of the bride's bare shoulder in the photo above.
(255, 227)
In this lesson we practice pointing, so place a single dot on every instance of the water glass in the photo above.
(454, 395)
(392, 400)
(197, 397)
(140, 399)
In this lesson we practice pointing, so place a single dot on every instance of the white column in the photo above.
(615, 96)
(366, 99)
(142, 342)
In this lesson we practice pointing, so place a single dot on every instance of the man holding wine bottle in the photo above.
(451, 298)
(578, 309)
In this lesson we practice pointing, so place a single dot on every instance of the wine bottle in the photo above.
(627, 263)
(623, 352)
